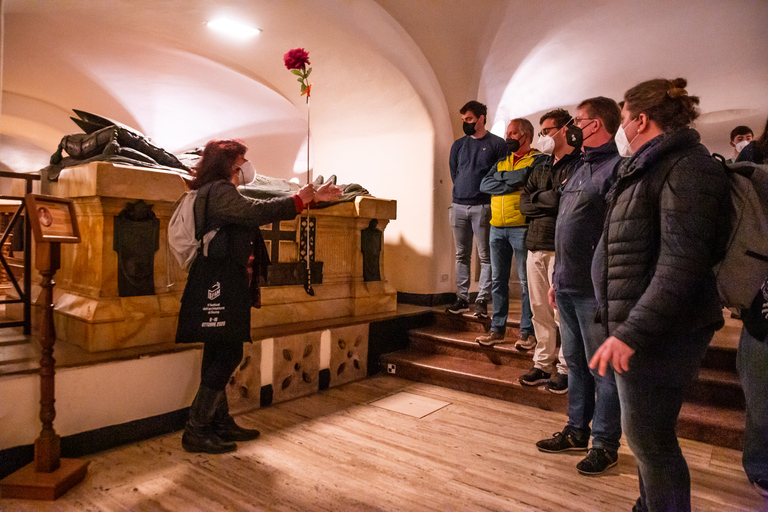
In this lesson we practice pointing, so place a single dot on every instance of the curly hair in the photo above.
(665, 102)
(219, 156)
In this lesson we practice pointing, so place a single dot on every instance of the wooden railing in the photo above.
(14, 206)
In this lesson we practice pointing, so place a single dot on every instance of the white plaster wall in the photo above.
(98, 396)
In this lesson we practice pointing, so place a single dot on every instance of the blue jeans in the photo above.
(468, 222)
(591, 398)
(505, 243)
(651, 394)
(752, 363)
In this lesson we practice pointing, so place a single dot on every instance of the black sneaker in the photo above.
(458, 307)
(563, 441)
(481, 309)
(534, 377)
(558, 384)
(597, 461)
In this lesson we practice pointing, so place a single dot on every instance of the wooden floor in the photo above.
(334, 451)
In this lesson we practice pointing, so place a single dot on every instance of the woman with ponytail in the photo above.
(653, 278)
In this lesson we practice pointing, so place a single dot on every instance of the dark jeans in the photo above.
(219, 361)
(651, 395)
(752, 363)
(591, 398)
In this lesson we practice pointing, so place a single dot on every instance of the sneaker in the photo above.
(526, 342)
(492, 338)
(558, 384)
(534, 377)
(458, 307)
(563, 441)
(481, 309)
(762, 487)
(597, 461)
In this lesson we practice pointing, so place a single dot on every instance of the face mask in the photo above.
(588, 136)
(469, 128)
(741, 145)
(512, 145)
(574, 136)
(247, 173)
(622, 144)
(546, 145)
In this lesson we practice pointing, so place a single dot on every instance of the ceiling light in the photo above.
(233, 29)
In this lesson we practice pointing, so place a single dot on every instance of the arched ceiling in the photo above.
(155, 66)
(605, 48)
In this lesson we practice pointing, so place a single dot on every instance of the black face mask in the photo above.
(574, 137)
(469, 128)
(512, 145)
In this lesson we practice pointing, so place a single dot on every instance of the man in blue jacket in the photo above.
(472, 156)
(591, 397)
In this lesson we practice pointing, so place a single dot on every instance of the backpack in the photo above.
(744, 267)
(182, 242)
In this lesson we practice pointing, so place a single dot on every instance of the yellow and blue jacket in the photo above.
(504, 182)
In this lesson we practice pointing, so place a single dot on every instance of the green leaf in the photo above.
(300, 80)
(308, 72)
(303, 88)
(296, 72)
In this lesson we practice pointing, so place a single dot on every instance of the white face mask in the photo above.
(741, 145)
(622, 144)
(248, 173)
(546, 144)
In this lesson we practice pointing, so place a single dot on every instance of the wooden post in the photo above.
(48, 476)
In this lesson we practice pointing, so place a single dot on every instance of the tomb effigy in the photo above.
(103, 299)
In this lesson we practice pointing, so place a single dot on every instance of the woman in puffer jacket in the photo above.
(652, 271)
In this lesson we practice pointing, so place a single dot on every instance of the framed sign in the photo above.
(52, 218)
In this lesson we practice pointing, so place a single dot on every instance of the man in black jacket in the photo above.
(539, 202)
(591, 397)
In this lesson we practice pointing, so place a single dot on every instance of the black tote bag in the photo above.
(216, 304)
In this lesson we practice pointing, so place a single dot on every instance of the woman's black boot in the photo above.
(199, 435)
(225, 427)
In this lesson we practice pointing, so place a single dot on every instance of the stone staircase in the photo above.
(445, 353)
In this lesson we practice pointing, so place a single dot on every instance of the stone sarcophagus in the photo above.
(91, 313)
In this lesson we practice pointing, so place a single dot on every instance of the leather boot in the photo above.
(225, 427)
(199, 435)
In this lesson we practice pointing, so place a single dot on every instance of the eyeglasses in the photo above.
(545, 131)
(579, 120)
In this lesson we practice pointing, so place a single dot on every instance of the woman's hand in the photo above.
(327, 192)
(613, 351)
(307, 193)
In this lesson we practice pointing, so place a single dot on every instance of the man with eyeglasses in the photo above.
(581, 214)
(539, 202)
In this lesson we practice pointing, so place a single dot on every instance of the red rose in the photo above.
(296, 58)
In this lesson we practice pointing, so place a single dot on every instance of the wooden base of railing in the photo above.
(28, 484)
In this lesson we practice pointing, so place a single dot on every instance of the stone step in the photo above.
(470, 323)
(717, 388)
(720, 358)
(439, 339)
(719, 426)
(472, 376)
